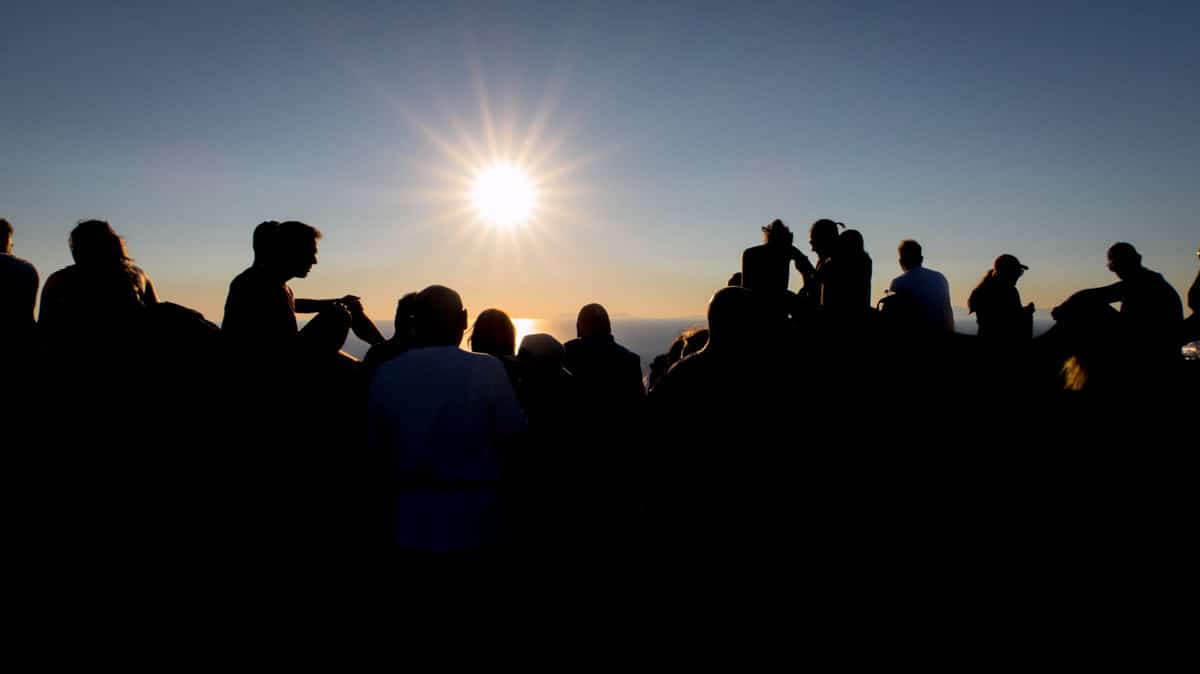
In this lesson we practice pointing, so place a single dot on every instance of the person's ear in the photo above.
(463, 320)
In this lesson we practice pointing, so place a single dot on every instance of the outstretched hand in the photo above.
(351, 302)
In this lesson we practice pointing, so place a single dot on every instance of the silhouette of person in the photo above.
(925, 292)
(494, 334)
(609, 374)
(735, 279)
(823, 239)
(1151, 311)
(611, 398)
(260, 309)
(447, 419)
(765, 267)
(844, 278)
(100, 299)
(996, 303)
(726, 424)
(1192, 324)
(18, 296)
(401, 341)
(545, 475)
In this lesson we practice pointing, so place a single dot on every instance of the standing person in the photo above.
(765, 267)
(611, 400)
(996, 303)
(924, 292)
(823, 239)
(18, 295)
(845, 278)
(447, 418)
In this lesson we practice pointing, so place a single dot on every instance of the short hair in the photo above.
(273, 238)
(6, 229)
(909, 248)
(264, 238)
(95, 242)
(826, 228)
(1124, 252)
(593, 321)
(438, 317)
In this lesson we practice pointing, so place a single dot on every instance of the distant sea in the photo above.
(649, 337)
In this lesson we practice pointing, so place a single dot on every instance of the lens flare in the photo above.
(504, 195)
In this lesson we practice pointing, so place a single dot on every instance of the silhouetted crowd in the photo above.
(811, 418)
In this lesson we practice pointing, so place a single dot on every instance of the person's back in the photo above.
(766, 268)
(18, 293)
(927, 292)
(930, 292)
(98, 301)
(446, 418)
(996, 303)
(1150, 300)
(260, 310)
(609, 375)
(845, 280)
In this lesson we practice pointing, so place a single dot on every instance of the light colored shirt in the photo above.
(444, 415)
(930, 294)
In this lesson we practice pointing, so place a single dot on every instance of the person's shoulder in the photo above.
(62, 276)
(626, 354)
(22, 265)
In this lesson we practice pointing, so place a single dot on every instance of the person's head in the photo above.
(732, 318)
(494, 333)
(6, 236)
(1007, 268)
(694, 341)
(851, 242)
(438, 317)
(93, 242)
(542, 353)
(295, 248)
(823, 236)
(1123, 259)
(403, 323)
(593, 322)
(910, 255)
(675, 351)
(777, 234)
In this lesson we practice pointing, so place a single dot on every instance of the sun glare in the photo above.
(504, 195)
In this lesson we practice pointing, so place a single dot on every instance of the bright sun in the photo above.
(504, 195)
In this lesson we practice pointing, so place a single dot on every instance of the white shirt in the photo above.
(443, 414)
(930, 291)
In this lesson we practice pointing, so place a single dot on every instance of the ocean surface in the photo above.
(649, 337)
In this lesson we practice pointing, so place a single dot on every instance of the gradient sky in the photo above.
(665, 135)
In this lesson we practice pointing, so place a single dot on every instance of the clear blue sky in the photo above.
(669, 132)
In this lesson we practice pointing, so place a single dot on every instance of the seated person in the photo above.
(260, 310)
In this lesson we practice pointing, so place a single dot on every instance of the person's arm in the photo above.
(51, 309)
(32, 292)
(304, 306)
